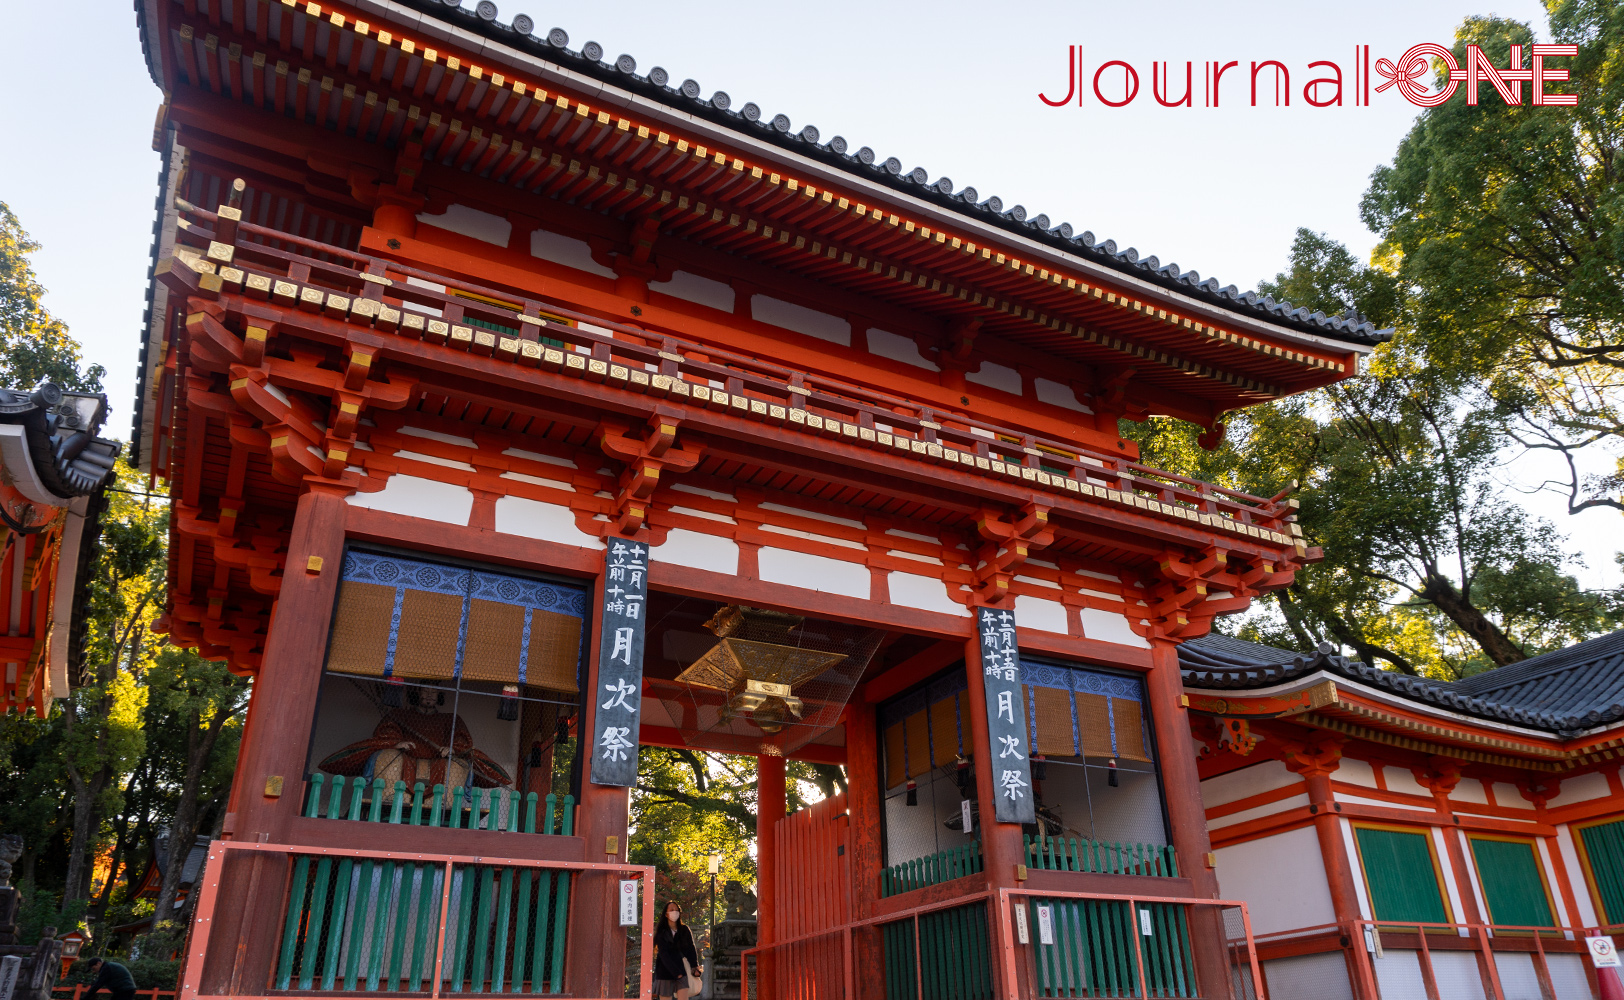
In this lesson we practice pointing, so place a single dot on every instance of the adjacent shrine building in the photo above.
(521, 407)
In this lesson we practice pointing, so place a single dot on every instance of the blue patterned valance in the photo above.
(400, 617)
(1073, 711)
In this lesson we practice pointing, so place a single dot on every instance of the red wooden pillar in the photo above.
(1181, 784)
(277, 736)
(598, 946)
(289, 679)
(1338, 872)
(863, 802)
(1000, 842)
(769, 810)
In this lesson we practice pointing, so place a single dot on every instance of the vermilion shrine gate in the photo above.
(519, 408)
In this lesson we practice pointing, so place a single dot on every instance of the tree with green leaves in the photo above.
(103, 735)
(1505, 227)
(194, 703)
(34, 345)
(1427, 566)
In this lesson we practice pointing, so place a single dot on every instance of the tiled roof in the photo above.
(482, 18)
(60, 429)
(1573, 689)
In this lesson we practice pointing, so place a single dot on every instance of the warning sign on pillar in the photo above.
(628, 902)
(1603, 953)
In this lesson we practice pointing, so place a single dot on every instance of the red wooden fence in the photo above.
(812, 895)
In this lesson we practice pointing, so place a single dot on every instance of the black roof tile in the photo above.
(1570, 690)
(481, 18)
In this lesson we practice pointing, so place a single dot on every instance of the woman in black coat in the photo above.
(673, 942)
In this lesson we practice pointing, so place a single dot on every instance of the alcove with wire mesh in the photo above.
(449, 674)
(1094, 772)
(739, 679)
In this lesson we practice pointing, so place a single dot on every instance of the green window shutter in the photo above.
(1604, 846)
(1509, 872)
(1403, 883)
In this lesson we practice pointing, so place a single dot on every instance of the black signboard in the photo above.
(620, 664)
(1006, 717)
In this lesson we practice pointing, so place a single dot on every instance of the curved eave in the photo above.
(498, 42)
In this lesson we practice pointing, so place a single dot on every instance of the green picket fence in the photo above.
(363, 924)
(459, 808)
(1093, 950)
(1074, 855)
(943, 866)
(954, 962)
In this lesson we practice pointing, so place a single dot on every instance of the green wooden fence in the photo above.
(954, 962)
(363, 924)
(459, 808)
(1093, 950)
(943, 866)
(1074, 855)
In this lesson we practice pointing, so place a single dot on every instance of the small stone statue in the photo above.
(741, 902)
(11, 848)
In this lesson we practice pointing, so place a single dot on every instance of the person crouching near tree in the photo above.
(112, 977)
(675, 958)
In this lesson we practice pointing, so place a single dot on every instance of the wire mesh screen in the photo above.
(368, 925)
(770, 682)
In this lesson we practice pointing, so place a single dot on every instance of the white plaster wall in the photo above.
(1361, 800)
(897, 347)
(1057, 394)
(561, 249)
(415, 497)
(1281, 878)
(1470, 790)
(472, 223)
(549, 522)
(1568, 976)
(923, 592)
(822, 325)
(1264, 776)
(1398, 975)
(1450, 886)
(1259, 812)
(1581, 788)
(1045, 616)
(698, 290)
(1352, 851)
(1399, 779)
(1581, 891)
(997, 376)
(1457, 975)
(1308, 977)
(1108, 626)
(698, 550)
(801, 569)
(1506, 794)
(1518, 980)
(1355, 772)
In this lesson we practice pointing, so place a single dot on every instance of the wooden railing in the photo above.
(1109, 857)
(289, 270)
(403, 923)
(943, 866)
(458, 808)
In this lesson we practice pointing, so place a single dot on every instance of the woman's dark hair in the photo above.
(668, 904)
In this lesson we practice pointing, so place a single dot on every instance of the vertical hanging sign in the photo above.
(620, 664)
(1006, 717)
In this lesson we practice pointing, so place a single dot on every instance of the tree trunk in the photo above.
(183, 830)
(1441, 591)
(85, 795)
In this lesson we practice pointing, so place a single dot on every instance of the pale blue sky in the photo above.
(948, 86)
